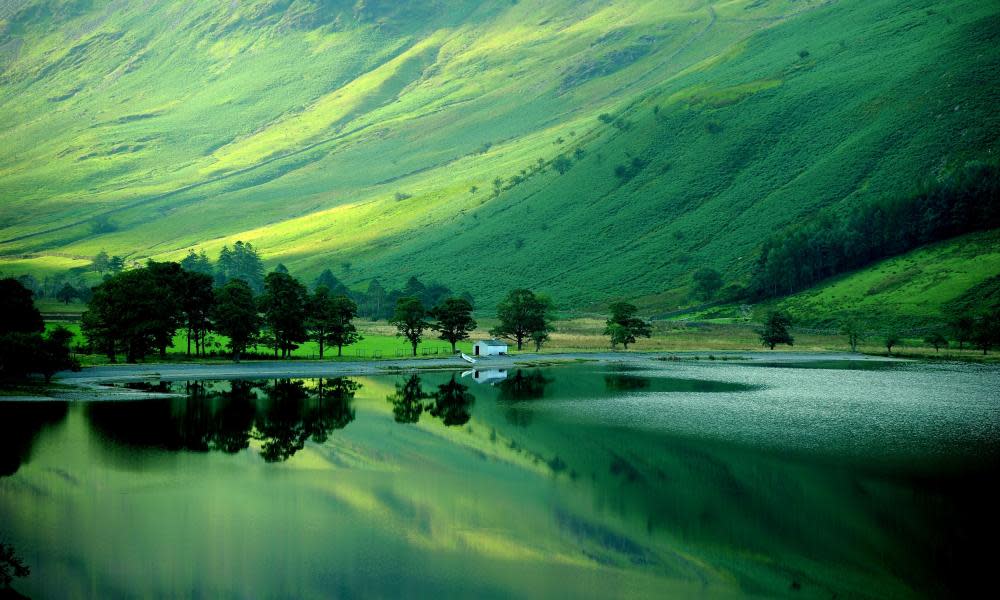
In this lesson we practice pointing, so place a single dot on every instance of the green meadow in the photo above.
(366, 138)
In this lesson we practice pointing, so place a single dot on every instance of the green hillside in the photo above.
(331, 133)
(917, 289)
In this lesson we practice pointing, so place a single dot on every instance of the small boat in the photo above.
(468, 358)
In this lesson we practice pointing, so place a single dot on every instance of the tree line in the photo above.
(139, 311)
(800, 256)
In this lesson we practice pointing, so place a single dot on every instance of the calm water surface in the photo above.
(675, 480)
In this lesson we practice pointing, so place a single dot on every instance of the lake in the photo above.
(646, 479)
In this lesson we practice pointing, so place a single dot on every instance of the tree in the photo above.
(452, 403)
(453, 320)
(53, 353)
(775, 330)
(330, 320)
(17, 309)
(241, 262)
(66, 293)
(167, 316)
(281, 268)
(623, 326)
(962, 327)
(521, 314)
(235, 315)
(284, 306)
(409, 320)
(562, 164)
(892, 339)
(197, 263)
(539, 337)
(328, 280)
(855, 332)
(196, 302)
(101, 262)
(986, 332)
(11, 566)
(133, 311)
(936, 340)
(116, 264)
(706, 283)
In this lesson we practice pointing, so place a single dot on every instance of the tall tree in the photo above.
(100, 262)
(197, 302)
(128, 312)
(453, 320)
(963, 326)
(330, 320)
(168, 317)
(197, 263)
(775, 330)
(936, 339)
(986, 332)
(409, 320)
(408, 401)
(284, 306)
(521, 314)
(623, 326)
(328, 280)
(892, 339)
(235, 315)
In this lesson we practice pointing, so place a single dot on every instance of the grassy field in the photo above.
(329, 134)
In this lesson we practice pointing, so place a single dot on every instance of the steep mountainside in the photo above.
(634, 141)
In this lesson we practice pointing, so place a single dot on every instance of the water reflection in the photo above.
(281, 415)
(452, 402)
(20, 425)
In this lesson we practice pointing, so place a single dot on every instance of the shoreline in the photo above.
(94, 382)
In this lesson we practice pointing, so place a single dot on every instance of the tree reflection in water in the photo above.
(520, 388)
(20, 425)
(281, 415)
(452, 402)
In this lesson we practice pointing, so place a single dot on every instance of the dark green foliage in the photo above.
(196, 303)
(134, 311)
(283, 304)
(329, 320)
(623, 326)
(966, 201)
(242, 262)
(524, 315)
(706, 283)
(53, 353)
(328, 280)
(775, 330)
(453, 320)
(562, 164)
(101, 262)
(281, 268)
(11, 566)
(986, 331)
(197, 263)
(936, 340)
(235, 315)
(409, 319)
(452, 403)
(102, 224)
(17, 309)
(116, 264)
(892, 339)
(408, 401)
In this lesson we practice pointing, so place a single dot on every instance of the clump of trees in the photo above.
(25, 346)
(968, 200)
(623, 326)
(776, 330)
(707, 282)
(524, 315)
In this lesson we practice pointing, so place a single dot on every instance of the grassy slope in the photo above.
(295, 130)
(913, 289)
